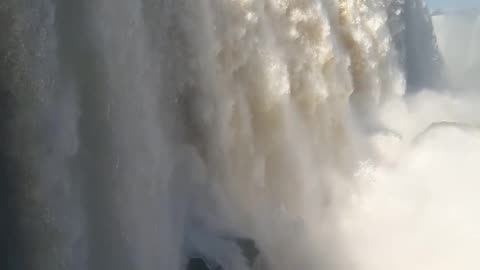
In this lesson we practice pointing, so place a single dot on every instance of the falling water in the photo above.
(137, 134)
(458, 36)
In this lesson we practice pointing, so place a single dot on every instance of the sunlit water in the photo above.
(148, 132)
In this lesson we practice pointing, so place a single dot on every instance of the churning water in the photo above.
(137, 134)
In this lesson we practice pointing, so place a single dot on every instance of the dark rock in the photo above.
(200, 264)
(249, 249)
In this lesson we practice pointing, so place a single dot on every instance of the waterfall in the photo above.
(463, 57)
(411, 28)
(138, 134)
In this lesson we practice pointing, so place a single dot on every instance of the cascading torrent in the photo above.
(228, 134)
